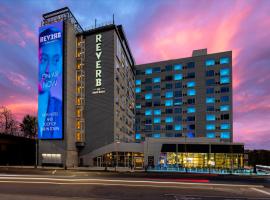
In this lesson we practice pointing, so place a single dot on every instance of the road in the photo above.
(111, 186)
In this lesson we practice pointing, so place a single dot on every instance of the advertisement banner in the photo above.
(50, 82)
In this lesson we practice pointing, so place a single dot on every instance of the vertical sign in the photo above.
(50, 82)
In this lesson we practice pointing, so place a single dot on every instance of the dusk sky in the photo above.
(156, 30)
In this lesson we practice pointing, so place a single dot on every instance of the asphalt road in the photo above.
(56, 185)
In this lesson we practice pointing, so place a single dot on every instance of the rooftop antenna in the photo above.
(113, 18)
(95, 23)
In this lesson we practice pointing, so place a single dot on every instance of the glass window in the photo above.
(178, 85)
(224, 89)
(169, 94)
(210, 108)
(225, 126)
(209, 62)
(169, 127)
(156, 69)
(210, 82)
(224, 80)
(138, 106)
(178, 119)
(168, 68)
(169, 119)
(137, 136)
(178, 77)
(191, 101)
(156, 127)
(190, 65)
(210, 99)
(148, 80)
(156, 120)
(224, 108)
(156, 87)
(225, 117)
(138, 96)
(191, 118)
(137, 90)
(191, 135)
(224, 99)
(210, 90)
(148, 121)
(225, 135)
(169, 86)
(148, 112)
(138, 82)
(224, 60)
(156, 94)
(225, 72)
(169, 110)
(210, 127)
(148, 71)
(177, 93)
(177, 127)
(148, 96)
(168, 102)
(177, 102)
(156, 80)
(191, 75)
(156, 135)
(177, 110)
(177, 67)
(210, 117)
(210, 135)
(191, 92)
(148, 88)
(191, 84)
(210, 73)
(191, 110)
(191, 127)
(157, 103)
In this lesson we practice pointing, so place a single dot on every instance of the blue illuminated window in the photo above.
(168, 102)
(225, 135)
(224, 60)
(178, 77)
(191, 135)
(157, 112)
(156, 135)
(191, 84)
(191, 92)
(224, 108)
(169, 119)
(210, 117)
(148, 71)
(156, 120)
(210, 127)
(210, 62)
(224, 99)
(177, 102)
(177, 67)
(177, 127)
(225, 126)
(169, 94)
(148, 112)
(138, 106)
(138, 82)
(224, 80)
(137, 136)
(225, 72)
(137, 90)
(191, 110)
(210, 100)
(156, 80)
(210, 135)
(148, 96)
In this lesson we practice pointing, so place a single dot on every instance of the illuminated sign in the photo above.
(50, 82)
(98, 72)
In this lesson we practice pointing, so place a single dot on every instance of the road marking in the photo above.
(261, 191)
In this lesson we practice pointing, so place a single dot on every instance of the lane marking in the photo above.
(261, 191)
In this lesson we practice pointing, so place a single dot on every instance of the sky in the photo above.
(156, 30)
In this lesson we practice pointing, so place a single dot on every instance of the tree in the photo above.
(29, 126)
(8, 124)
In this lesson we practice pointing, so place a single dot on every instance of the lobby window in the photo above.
(157, 112)
(177, 93)
(177, 102)
(191, 110)
(138, 106)
(210, 108)
(169, 86)
(210, 90)
(148, 71)
(210, 99)
(225, 126)
(156, 80)
(210, 82)
(210, 117)
(224, 99)
(148, 96)
(210, 73)
(168, 102)
(224, 60)
(224, 108)
(138, 82)
(225, 135)
(224, 89)
(210, 127)
(156, 69)
(169, 94)
(137, 90)
(177, 127)
(191, 84)
(178, 77)
(156, 120)
(225, 80)
(137, 136)
(191, 135)
(177, 67)
(190, 65)
(168, 68)
(209, 62)
(169, 119)
(225, 72)
(191, 92)
(210, 135)
(178, 85)
(148, 112)
(156, 135)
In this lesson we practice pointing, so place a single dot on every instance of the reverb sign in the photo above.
(98, 66)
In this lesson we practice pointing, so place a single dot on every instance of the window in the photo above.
(156, 87)
(191, 101)
(148, 112)
(177, 102)
(210, 62)
(177, 93)
(168, 68)
(210, 108)
(210, 90)
(210, 99)
(169, 119)
(178, 77)
(169, 127)
(225, 135)
(191, 118)
(225, 117)
(224, 60)
(191, 110)
(148, 121)
(138, 72)
(148, 127)
(156, 120)
(178, 85)
(177, 127)
(191, 135)
(191, 84)
(138, 106)
(210, 73)
(177, 67)
(138, 82)
(191, 127)
(156, 80)
(191, 92)
(224, 99)
(157, 103)
(178, 119)
(148, 71)
(210, 117)
(157, 112)
(224, 80)
(210, 135)
(156, 69)
(178, 135)
(169, 94)
(169, 111)
(177, 110)
(224, 108)
(168, 78)
(190, 65)
(224, 89)
(225, 126)
(137, 136)
(148, 80)
(138, 96)
(169, 86)
(137, 90)
(156, 127)
(210, 127)
(210, 82)
(156, 135)
(225, 72)
(191, 75)
(148, 96)
(148, 104)
(168, 102)
(148, 88)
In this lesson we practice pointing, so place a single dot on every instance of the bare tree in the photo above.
(8, 124)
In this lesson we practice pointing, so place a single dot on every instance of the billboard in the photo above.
(50, 82)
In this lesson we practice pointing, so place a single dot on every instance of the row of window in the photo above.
(212, 62)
